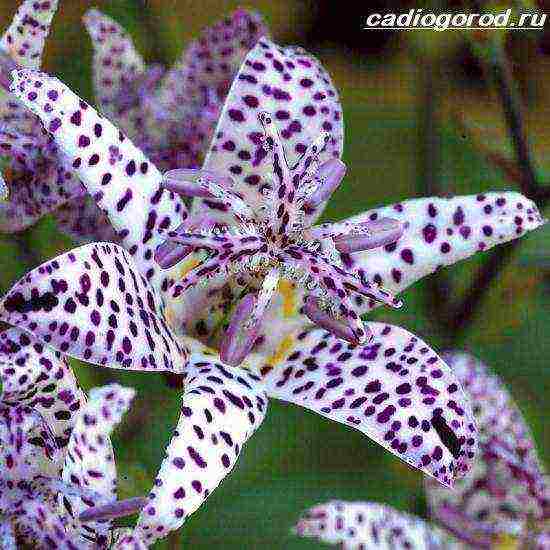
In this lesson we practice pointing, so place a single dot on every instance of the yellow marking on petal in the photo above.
(187, 265)
(504, 541)
(288, 292)
(287, 343)
(171, 316)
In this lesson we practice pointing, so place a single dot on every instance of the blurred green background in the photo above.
(401, 94)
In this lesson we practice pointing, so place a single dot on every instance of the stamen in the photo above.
(309, 158)
(240, 335)
(169, 253)
(373, 291)
(196, 183)
(325, 320)
(246, 322)
(369, 235)
(114, 510)
(327, 179)
(207, 185)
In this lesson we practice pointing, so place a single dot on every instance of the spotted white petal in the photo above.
(27, 445)
(122, 181)
(292, 86)
(93, 304)
(508, 482)
(127, 541)
(24, 39)
(439, 232)
(116, 63)
(396, 390)
(221, 409)
(357, 525)
(41, 378)
(42, 526)
(90, 462)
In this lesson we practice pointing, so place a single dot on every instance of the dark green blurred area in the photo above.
(298, 459)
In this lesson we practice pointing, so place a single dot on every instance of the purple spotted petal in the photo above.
(27, 445)
(355, 525)
(22, 45)
(292, 86)
(118, 176)
(440, 232)
(171, 117)
(129, 542)
(396, 390)
(24, 39)
(33, 194)
(221, 409)
(508, 484)
(90, 461)
(116, 65)
(93, 304)
(82, 220)
(41, 526)
(36, 376)
(191, 95)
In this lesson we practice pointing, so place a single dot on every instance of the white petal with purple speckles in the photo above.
(24, 39)
(440, 232)
(27, 445)
(296, 90)
(367, 525)
(93, 304)
(118, 176)
(43, 527)
(37, 191)
(90, 462)
(396, 390)
(116, 63)
(221, 409)
(508, 483)
(35, 375)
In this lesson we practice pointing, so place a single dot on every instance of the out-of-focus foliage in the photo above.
(298, 459)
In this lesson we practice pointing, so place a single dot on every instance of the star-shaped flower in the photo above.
(57, 458)
(502, 503)
(114, 305)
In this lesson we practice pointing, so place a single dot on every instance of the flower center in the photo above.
(276, 240)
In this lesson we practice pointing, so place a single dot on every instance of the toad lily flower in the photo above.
(113, 305)
(55, 448)
(506, 497)
(503, 503)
